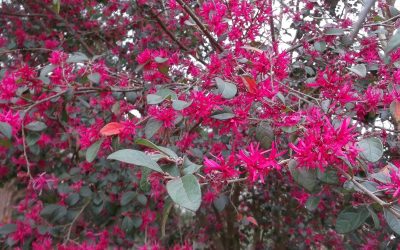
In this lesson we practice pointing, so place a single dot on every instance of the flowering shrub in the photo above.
(199, 124)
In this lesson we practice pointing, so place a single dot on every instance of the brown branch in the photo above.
(169, 33)
(363, 14)
(70, 28)
(22, 15)
(300, 44)
(24, 49)
(366, 191)
(271, 26)
(201, 26)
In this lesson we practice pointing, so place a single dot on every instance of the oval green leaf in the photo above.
(135, 157)
(372, 149)
(185, 192)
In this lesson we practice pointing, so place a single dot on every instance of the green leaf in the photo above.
(190, 167)
(94, 77)
(334, 32)
(351, 218)
(226, 89)
(320, 46)
(171, 169)
(374, 217)
(72, 199)
(394, 42)
(393, 11)
(127, 224)
(185, 191)
(131, 96)
(329, 176)
(359, 69)
(168, 152)
(152, 127)
(166, 93)
(306, 178)
(53, 212)
(137, 221)
(7, 229)
(392, 220)
(312, 203)
(36, 126)
(6, 129)
(168, 205)
(135, 157)
(223, 116)
(221, 202)
(372, 149)
(142, 199)
(56, 6)
(46, 70)
(92, 151)
(180, 105)
(154, 99)
(159, 59)
(85, 191)
(289, 129)
(144, 183)
(77, 57)
(382, 177)
(127, 197)
(265, 135)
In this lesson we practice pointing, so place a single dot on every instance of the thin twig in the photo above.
(361, 18)
(74, 220)
(70, 28)
(22, 15)
(383, 22)
(28, 164)
(366, 191)
(169, 33)
(201, 26)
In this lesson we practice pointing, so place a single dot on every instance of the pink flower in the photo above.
(323, 144)
(224, 169)
(13, 119)
(165, 115)
(258, 165)
(50, 44)
(8, 87)
(23, 230)
(57, 57)
(144, 57)
(393, 187)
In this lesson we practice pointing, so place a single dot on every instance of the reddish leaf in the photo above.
(395, 110)
(239, 217)
(112, 128)
(252, 220)
(250, 83)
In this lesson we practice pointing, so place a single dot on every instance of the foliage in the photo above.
(209, 124)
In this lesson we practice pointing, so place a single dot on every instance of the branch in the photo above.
(22, 15)
(28, 164)
(44, 100)
(366, 191)
(74, 220)
(272, 28)
(201, 26)
(294, 47)
(363, 14)
(169, 33)
(70, 28)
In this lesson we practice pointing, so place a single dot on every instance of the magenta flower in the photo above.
(321, 145)
(258, 165)
(224, 168)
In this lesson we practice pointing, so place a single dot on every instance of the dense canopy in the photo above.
(208, 124)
